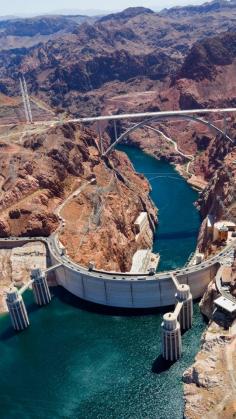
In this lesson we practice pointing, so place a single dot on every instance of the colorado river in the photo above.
(179, 221)
(81, 362)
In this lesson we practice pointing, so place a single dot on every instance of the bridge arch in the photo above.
(163, 117)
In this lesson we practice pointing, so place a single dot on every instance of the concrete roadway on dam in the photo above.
(124, 289)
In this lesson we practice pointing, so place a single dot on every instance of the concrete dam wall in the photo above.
(146, 292)
(121, 289)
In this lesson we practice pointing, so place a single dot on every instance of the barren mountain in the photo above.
(73, 60)
(23, 33)
(208, 7)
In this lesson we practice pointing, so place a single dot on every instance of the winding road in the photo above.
(187, 156)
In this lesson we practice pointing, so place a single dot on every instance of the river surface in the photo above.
(80, 361)
(179, 220)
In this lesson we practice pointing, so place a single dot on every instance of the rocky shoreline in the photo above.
(210, 383)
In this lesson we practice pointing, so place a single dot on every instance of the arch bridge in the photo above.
(148, 120)
(145, 118)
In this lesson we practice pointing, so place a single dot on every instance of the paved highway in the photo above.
(57, 252)
(142, 115)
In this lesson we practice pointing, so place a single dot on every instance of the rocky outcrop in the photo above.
(16, 266)
(4, 229)
(105, 232)
(204, 58)
(219, 198)
(207, 301)
(209, 384)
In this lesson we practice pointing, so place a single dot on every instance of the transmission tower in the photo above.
(26, 101)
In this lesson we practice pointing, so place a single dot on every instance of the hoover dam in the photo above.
(130, 290)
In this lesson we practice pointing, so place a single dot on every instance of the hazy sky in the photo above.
(13, 7)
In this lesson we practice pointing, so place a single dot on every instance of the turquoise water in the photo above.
(80, 361)
(179, 220)
(73, 363)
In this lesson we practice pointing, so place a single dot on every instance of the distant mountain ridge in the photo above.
(128, 13)
(66, 59)
(207, 7)
(81, 12)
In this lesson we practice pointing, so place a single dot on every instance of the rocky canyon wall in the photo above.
(39, 172)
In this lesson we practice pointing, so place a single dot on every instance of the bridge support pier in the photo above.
(17, 310)
(171, 338)
(40, 287)
(184, 296)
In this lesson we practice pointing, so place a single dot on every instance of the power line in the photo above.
(26, 101)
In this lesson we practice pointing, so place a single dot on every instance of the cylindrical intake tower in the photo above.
(171, 337)
(40, 287)
(17, 310)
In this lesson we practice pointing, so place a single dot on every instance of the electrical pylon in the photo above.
(26, 101)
